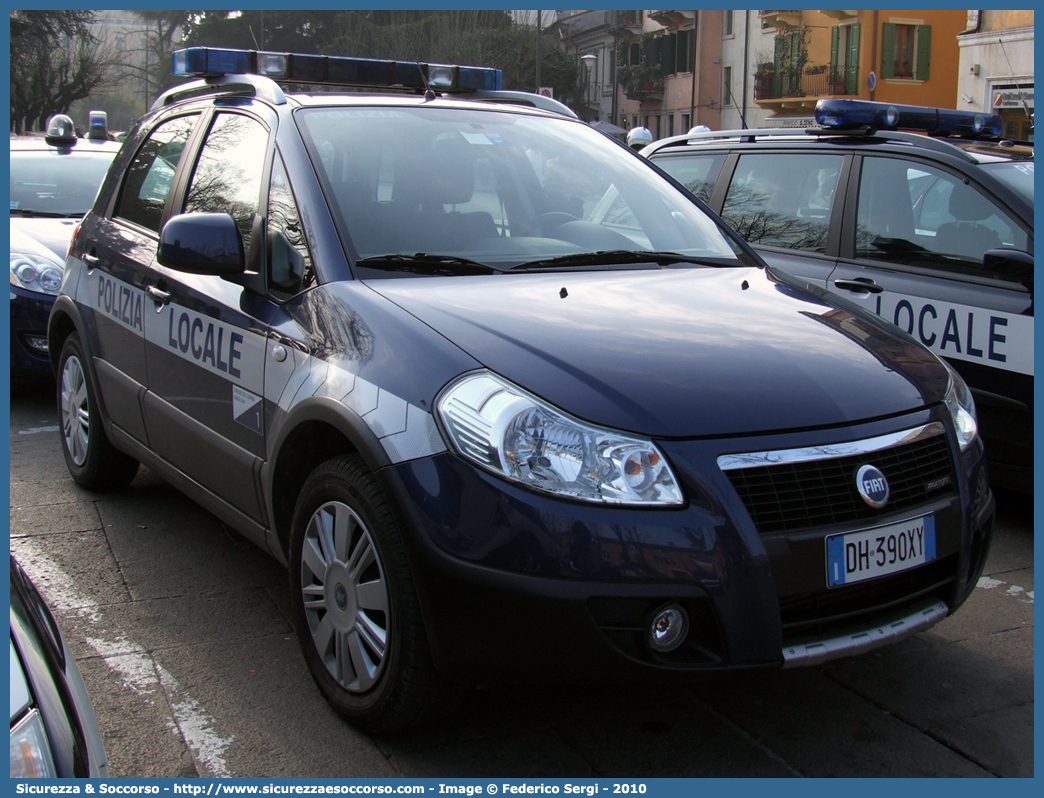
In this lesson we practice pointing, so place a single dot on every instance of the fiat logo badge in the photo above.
(872, 486)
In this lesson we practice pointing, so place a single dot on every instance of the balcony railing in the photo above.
(785, 85)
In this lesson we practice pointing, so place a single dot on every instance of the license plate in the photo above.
(870, 553)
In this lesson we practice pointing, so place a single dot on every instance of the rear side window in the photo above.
(151, 174)
(783, 200)
(698, 173)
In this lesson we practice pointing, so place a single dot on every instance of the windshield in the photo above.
(497, 188)
(1017, 175)
(53, 182)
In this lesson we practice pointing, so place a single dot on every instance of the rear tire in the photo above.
(93, 461)
(356, 607)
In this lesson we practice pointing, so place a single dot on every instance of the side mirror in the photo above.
(202, 243)
(1010, 264)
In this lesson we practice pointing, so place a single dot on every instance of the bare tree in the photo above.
(54, 62)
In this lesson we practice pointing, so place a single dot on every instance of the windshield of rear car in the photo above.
(1017, 175)
(58, 182)
(497, 187)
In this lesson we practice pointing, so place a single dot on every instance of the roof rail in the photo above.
(749, 135)
(250, 85)
(524, 98)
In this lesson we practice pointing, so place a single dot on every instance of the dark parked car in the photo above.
(931, 230)
(54, 180)
(54, 732)
(495, 432)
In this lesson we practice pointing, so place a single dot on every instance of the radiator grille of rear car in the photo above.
(788, 496)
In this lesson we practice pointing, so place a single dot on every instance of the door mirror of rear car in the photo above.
(202, 243)
(1010, 264)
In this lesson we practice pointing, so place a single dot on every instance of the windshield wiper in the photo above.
(44, 214)
(616, 257)
(422, 263)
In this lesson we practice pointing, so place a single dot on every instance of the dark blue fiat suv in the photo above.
(507, 403)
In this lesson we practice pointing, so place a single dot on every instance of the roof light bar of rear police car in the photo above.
(204, 62)
(847, 114)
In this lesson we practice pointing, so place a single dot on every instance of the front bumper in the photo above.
(525, 587)
(29, 313)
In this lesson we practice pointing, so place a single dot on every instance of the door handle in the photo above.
(87, 257)
(860, 284)
(157, 295)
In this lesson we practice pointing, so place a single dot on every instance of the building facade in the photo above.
(996, 68)
(793, 58)
(655, 69)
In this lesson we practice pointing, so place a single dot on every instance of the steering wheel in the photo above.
(551, 221)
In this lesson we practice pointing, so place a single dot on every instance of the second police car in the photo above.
(923, 216)
(383, 336)
(54, 180)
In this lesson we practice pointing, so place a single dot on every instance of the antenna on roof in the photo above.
(429, 95)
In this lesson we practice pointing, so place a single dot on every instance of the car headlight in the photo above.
(961, 405)
(35, 272)
(503, 429)
(30, 754)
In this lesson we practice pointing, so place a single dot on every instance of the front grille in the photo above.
(820, 611)
(792, 496)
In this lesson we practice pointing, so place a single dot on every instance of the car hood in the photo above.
(680, 352)
(30, 234)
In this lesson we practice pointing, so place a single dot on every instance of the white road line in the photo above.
(139, 670)
(37, 430)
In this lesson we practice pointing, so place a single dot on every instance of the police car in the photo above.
(380, 335)
(54, 180)
(932, 230)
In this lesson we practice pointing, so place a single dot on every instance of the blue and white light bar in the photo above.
(849, 114)
(207, 62)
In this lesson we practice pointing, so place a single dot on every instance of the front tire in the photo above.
(93, 461)
(356, 607)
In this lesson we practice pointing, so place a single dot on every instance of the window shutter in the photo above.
(924, 51)
(835, 35)
(888, 50)
(669, 50)
(852, 78)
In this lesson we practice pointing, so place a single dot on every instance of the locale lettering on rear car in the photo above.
(963, 332)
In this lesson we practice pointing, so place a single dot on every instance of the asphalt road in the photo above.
(182, 632)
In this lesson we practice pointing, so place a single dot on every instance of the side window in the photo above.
(698, 173)
(289, 264)
(151, 173)
(783, 201)
(911, 213)
(227, 177)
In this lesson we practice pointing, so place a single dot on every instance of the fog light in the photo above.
(36, 342)
(670, 625)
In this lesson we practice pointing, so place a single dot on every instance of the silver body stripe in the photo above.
(406, 431)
